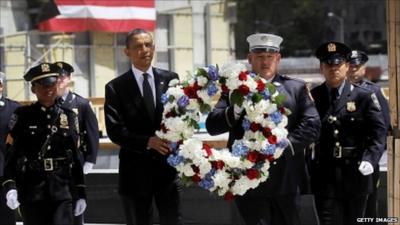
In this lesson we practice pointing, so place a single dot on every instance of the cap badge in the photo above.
(351, 106)
(264, 38)
(353, 54)
(64, 121)
(45, 67)
(331, 47)
(60, 65)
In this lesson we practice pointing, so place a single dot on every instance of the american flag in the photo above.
(101, 15)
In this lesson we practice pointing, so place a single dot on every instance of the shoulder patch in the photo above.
(13, 121)
(375, 100)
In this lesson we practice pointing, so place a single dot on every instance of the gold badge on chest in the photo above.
(75, 110)
(63, 121)
(351, 106)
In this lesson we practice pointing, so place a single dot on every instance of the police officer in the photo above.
(43, 171)
(351, 140)
(88, 126)
(276, 200)
(7, 107)
(356, 74)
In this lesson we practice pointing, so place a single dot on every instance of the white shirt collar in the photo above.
(138, 73)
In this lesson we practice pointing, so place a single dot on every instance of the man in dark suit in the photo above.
(356, 75)
(274, 201)
(88, 125)
(133, 112)
(7, 108)
(351, 141)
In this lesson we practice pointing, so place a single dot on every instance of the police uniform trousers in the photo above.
(371, 210)
(339, 208)
(38, 212)
(7, 216)
(277, 210)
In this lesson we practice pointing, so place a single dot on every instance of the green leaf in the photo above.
(237, 98)
(271, 88)
(257, 97)
(202, 72)
(205, 108)
(171, 99)
(280, 99)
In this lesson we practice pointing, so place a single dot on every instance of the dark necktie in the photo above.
(334, 95)
(148, 95)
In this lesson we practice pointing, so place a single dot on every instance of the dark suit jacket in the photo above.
(287, 172)
(130, 126)
(88, 125)
(6, 111)
(360, 129)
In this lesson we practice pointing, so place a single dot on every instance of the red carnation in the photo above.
(170, 114)
(228, 196)
(270, 158)
(195, 169)
(282, 110)
(266, 132)
(207, 148)
(243, 89)
(255, 127)
(163, 128)
(260, 85)
(190, 91)
(252, 174)
(218, 164)
(243, 76)
(272, 139)
(224, 88)
(196, 179)
(252, 156)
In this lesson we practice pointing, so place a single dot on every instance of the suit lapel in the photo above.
(343, 97)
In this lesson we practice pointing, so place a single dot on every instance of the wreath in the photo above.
(227, 173)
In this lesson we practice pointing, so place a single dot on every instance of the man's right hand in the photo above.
(161, 146)
(12, 199)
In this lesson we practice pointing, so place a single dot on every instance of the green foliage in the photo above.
(257, 97)
(236, 97)
(280, 99)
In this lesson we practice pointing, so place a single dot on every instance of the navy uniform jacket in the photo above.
(355, 125)
(58, 174)
(382, 100)
(7, 108)
(129, 125)
(287, 172)
(88, 125)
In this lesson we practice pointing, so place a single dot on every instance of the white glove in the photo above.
(237, 111)
(80, 207)
(12, 199)
(87, 167)
(366, 168)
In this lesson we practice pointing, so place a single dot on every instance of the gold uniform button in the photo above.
(48, 116)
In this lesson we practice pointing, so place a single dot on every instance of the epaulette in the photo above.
(286, 77)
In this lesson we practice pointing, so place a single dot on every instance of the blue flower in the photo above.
(173, 146)
(239, 149)
(174, 160)
(282, 144)
(206, 183)
(266, 94)
(213, 72)
(212, 89)
(276, 117)
(269, 150)
(164, 98)
(183, 101)
(246, 124)
(252, 74)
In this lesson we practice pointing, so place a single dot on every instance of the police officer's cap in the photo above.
(264, 42)
(66, 69)
(357, 57)
(44, 73)
(2, 77)
(332, 53)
